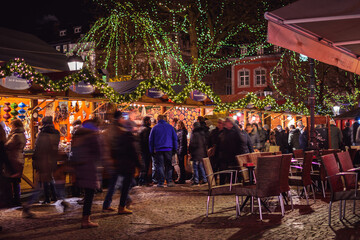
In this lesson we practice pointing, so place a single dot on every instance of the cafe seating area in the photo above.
(262, 176)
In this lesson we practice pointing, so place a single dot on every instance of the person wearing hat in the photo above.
(45, 159)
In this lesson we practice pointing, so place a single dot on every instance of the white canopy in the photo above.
(326, 30)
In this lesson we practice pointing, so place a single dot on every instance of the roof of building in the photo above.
(35, 52)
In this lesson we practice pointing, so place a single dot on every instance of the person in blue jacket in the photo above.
(163, 144)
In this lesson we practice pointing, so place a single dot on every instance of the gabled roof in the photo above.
(35, 52)
(353, 114)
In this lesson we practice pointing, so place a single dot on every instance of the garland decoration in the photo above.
(25, 71)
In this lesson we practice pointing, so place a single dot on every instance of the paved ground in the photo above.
(179, 213)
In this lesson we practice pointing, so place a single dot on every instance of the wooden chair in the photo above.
(338, 190)
(264, 154)
(267, 185)
(213, 188)
(304, 179)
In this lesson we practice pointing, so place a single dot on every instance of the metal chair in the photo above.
(267, 185)
(213, 188)
(305, 179)
(338, 190)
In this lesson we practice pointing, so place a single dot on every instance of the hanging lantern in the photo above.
(14, 112)
(7, 109)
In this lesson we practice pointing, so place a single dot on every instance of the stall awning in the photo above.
(35, 52)
(326, 30)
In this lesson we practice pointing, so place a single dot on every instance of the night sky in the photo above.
(31, 16)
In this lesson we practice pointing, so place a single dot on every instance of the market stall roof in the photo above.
(326, 30)
(353, 114)
(37, 53)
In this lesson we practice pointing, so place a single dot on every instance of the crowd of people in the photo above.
(160, 147)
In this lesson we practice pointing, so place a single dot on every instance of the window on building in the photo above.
(277, 49)
(244, 78)
(58, 48)
(65, 48)
(260, 50)
(62, 33)
(228, 73)
(276, 75)
(260, 76)
(77, 29)
(228, 89)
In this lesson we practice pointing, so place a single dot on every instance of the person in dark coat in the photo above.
(227, 147)
(246, 144)
(123, 151)
(294, 136)
(46, 156)
(282, 139)
(212, 141)
(335, 136)
(144, 149)
(198, 151)
(347, 135)
(303, 139)
(182, 149)
(14, 147)
(354, 127)
(87, 164)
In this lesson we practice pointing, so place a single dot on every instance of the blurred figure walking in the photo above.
(44, 163)
(87, 162)
(124, 154)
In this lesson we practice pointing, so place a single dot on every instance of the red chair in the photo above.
(346, 165)
(338, 191)
(305, 179)
(284, 176)
(298, 153)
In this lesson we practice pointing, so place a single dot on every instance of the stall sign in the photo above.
(82, 88)
(154, 93)
(198, 96)
(14, 83)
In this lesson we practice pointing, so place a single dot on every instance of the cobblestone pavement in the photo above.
(179, 213)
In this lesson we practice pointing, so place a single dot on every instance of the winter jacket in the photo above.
(245, 144)
(303, 139)
(294, 136)
(282, 141)
(162, 138)
(262, 137)
(86, 158)
(123, 150)
(144, 140)
(14, 147)
(335, 137)
(255, 139)
(197, 146)
(46, 152)
(227, 147)
(347, 136)
(182, 148)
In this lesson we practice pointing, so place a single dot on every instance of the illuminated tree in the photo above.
(179, 39)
